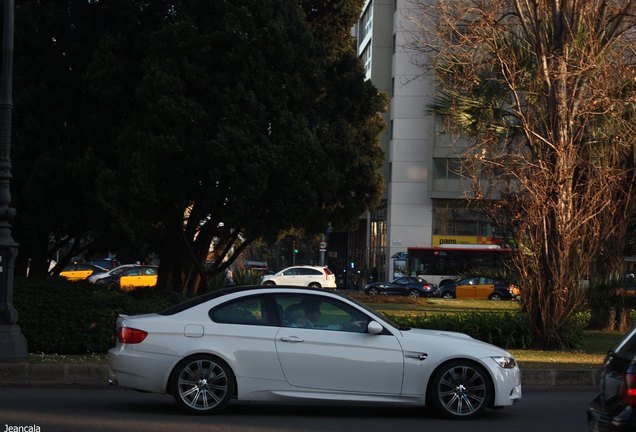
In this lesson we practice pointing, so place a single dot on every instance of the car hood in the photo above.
(420, 339)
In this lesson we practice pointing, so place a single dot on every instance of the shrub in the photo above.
(505, 329)
(243, 276)
(60, 317)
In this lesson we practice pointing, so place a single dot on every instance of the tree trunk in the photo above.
(180, 268)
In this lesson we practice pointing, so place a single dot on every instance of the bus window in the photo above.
(446, 263)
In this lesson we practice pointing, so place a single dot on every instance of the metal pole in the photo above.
(13, 344)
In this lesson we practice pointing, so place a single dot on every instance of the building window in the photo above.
(455, 218)
(447, 169)
(365, 57)
(377, 242)
(366, 22)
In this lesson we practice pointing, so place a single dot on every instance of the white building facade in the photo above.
(423, 203)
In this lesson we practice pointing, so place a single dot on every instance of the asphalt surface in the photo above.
(95, 376)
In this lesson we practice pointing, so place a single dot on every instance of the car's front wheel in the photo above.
(495, 296)
(373, 291)
(202, 384)
(460, 390)
(269, 283)
(447, 295)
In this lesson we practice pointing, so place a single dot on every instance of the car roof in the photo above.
(305, 266)
(237, 289)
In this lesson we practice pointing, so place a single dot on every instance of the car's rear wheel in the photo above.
(202, 384)
(315, 285)
(460, 390)
(414, 293)
(495, 296)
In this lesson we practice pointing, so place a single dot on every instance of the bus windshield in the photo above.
(442, 264)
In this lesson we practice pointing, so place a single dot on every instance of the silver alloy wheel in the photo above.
(373, 291)
(461, 390)
(495, 296)
(203, 385)
(414, 293)
(447, 295)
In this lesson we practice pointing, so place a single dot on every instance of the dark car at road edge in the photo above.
(406, 285)
(614, 409)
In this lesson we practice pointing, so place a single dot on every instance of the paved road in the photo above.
(113, 410)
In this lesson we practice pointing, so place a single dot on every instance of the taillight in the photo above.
(326, 274)
(628, 393)
(130, 335)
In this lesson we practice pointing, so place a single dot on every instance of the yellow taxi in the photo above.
(144, 276)
(480, 288)
(76, 272)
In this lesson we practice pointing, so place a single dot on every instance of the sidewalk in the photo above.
(95, 376)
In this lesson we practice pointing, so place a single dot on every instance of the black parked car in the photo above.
(406, 285)
(614, 409)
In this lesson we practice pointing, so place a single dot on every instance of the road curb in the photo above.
(53, 375)
(96, 376)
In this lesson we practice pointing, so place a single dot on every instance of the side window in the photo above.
(133, 272)
(320, 313)
(312, 272)
(291, 272)
(151, 271)
(249, 311)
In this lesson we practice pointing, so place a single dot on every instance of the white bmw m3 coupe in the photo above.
(300, 344)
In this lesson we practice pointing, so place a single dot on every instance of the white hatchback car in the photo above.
(113, 272)
(285, 343)
(302, 275)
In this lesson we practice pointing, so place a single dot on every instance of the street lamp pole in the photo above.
(13, 344)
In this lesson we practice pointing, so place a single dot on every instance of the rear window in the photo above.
(247, 310)
(627, 347)
(195, 301)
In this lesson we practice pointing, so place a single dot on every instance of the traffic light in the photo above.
(294, 246)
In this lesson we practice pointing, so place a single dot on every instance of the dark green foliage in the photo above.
(172, 125)
(74, 318)
(507, 330)
(243, 276)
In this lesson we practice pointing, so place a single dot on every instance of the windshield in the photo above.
(375, 312)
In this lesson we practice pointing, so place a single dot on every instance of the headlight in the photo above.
(505, 362)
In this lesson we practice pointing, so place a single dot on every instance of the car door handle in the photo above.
(292, 339)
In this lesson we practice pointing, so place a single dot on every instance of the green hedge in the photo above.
(76, 318)
(505, 329)
(58, 317)
(508, 330)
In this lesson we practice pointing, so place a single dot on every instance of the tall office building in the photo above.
(423, 202)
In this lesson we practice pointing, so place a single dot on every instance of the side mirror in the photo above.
(374, 328)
